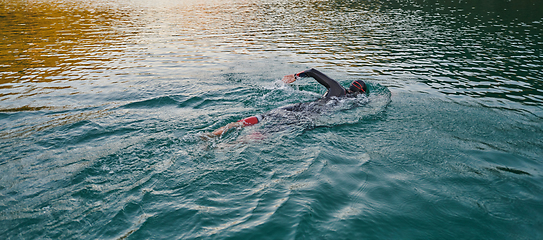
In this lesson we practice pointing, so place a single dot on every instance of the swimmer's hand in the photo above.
(289, 79)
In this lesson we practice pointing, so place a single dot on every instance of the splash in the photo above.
(286, 121)
(354, 110)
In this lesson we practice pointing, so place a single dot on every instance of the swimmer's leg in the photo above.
(241, 123)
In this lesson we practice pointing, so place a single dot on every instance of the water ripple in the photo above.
(102, 105)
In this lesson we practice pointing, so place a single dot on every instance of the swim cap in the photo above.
(358, 86)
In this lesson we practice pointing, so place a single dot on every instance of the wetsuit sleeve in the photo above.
(334, 88)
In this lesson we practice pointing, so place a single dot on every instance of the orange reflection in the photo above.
(41, 40)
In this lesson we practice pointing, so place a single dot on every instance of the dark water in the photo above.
(103, 103)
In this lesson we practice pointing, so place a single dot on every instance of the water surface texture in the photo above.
(103, 106)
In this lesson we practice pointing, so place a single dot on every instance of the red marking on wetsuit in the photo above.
(249, 121)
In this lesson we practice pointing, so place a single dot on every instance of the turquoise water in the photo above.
(103, 105)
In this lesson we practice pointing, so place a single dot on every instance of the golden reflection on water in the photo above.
(47, 44)
(43, 45)
(42, 40)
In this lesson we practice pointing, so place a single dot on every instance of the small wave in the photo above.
(512, 170)
(24, 109)
(152, 103)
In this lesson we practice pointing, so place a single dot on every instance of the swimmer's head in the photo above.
(358, 86)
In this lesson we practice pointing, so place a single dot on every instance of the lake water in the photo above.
(103, 106)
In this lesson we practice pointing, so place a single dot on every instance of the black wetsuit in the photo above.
(305, 111)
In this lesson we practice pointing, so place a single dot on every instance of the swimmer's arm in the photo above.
(322, 79)
(293, 77)
(317, 75)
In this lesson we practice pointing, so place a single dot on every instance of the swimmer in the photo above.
(335, 91)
